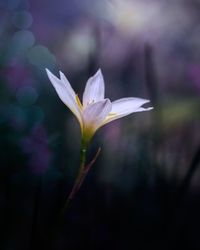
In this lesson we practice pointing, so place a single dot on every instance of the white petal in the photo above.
(126, 106)
(66, 82)
(94, 90)
(66, 93)
(95, 114)
(144, 109)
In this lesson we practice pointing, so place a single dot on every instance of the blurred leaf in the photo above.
(177, 112)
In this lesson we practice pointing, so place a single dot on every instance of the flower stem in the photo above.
(83, 170)
(81, 174)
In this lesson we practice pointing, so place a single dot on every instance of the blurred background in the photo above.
(144, 189)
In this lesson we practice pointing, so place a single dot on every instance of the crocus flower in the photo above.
(95, 110)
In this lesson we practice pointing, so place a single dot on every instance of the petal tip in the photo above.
(143, 100)
(61, 74)
(107, 100)
(47, 71)
(98, 73)
(144, 109)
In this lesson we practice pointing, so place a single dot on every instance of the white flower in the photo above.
(94, 111)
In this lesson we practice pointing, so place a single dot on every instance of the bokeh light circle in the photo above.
(41, 57)
(22, 40)
(22, 19)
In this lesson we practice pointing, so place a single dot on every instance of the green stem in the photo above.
(83, 170)
(83, 152)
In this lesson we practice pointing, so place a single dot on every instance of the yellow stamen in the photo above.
(79, 102)
(112, 114)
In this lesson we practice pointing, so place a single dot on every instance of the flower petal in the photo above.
(144, 109)
(94, 90)
(68, 85)
(126, 106)
(95, 114)
(66, 93)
